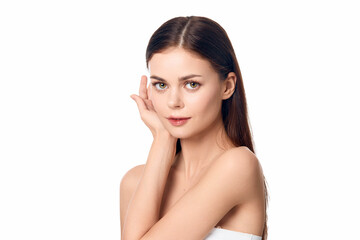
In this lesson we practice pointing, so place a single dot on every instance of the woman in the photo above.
(202, 179)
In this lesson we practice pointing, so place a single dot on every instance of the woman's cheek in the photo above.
(201, 102)
(208, 105)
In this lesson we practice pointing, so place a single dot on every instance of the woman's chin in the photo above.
(179, 133)
(183, 134)
(180, 136)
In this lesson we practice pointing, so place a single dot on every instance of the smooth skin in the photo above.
(210, 182)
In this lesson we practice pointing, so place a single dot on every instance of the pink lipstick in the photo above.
(178, 121)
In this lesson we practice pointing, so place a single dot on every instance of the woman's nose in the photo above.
(175, 99)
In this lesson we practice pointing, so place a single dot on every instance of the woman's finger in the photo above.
(148, 90)
(143, 90)
(139, 102)
(149, 105)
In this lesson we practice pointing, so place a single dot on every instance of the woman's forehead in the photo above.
(180, 62)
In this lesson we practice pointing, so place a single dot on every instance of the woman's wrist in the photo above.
(164, 135)
(167, 143)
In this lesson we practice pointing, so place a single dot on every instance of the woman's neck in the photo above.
(199, 151)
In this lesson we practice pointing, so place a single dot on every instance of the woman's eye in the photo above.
(193, 85)
(160, 85)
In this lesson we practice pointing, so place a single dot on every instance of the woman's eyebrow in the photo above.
(180, 79)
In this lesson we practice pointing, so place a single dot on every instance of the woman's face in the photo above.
(184, 85)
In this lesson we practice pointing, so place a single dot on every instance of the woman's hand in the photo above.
(147, 111)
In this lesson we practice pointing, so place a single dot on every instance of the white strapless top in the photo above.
(225, 234)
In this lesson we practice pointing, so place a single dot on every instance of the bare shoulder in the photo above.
(242, 157)
(239, 160)
(128, 186)
(243, 166)
(132, 177)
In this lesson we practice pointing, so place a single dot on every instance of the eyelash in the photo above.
(198, 85)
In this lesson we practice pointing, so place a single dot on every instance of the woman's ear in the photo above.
(228, 86)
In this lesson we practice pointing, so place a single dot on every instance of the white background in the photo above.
(69, 130)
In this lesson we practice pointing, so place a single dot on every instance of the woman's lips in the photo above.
(178, 121)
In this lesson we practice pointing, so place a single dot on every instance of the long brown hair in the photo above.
(208, 39)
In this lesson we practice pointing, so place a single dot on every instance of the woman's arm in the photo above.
(144, 207)
(143, 210)
(127, 189)
(233, 178)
